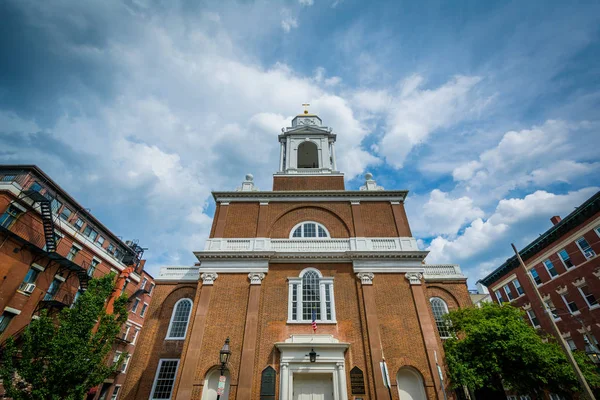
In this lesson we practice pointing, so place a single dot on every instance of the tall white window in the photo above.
(309, 230)
(309, 294)
(571, 305)
(499, 297)
(585, 247)
(164, 379)
(518, 287)
(550, 268)
(440, 308)
(533, 319)
(550, 307)
(590, 299)
(508, 292)
(564, 257)
(179, 319)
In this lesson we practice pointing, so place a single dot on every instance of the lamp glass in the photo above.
(225, 352)
(312, 355)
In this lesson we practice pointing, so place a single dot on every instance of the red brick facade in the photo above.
(260, 282)
(23, 247)
(562, 278)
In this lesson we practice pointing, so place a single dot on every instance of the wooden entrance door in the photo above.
(313, 386)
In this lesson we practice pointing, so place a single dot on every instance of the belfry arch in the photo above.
(308, 155)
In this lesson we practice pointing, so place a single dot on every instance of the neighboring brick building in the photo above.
(276, 259)
(50, 246)
(565, 265)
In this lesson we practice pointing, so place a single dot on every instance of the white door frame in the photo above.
(295, 360)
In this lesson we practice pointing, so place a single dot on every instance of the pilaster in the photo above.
(247, 366)
(428, 330)
(190, 357)
(366, 278)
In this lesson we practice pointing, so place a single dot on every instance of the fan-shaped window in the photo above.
(309, 230)
(311, 297)
(180, 319)
(440, 308)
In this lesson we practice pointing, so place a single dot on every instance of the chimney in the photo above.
(555, 220)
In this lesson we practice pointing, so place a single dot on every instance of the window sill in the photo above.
(23, 293)
(310, 322)
(594, 306)
(557, 319)
(576, 313)
(173, 339)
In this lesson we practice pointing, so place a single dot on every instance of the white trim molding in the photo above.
(295, 360)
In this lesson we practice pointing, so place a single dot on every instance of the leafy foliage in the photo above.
(494, 343)
(63, 359)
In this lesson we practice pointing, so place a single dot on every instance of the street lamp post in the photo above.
(223, 359)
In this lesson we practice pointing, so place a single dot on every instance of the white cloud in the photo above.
(444, 215)
(414, 113)
(306, 3)
(535, 156)
(512, 218)
(288, 22)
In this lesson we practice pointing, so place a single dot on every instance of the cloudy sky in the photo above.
(486, 111)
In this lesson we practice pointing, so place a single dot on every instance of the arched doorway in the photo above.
(308, 155)
(410, 384)
(211, 383)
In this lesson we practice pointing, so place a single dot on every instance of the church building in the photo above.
(305, 292)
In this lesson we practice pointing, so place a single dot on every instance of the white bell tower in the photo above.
(307, 147)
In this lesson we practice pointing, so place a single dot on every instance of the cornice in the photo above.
(295, 256)
(312, 195)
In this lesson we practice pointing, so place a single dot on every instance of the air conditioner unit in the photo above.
(28, 288)
(589, 253)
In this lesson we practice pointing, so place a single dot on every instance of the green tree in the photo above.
(63, 358)
(494, 344)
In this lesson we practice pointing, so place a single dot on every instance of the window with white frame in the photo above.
(550, 307)
(550, 268)
(590, 299)
(164, 379)
(144, 308)
(518, 287)
(585, 247)
(499, 297)
(535, 276)
(571, 344)
(533, 318)
(509, 294)
(115, 392)
(136, 332)
(125, 362)
(440, 308)
(136, 303)
(309, 229)
(566, 260)
(571, 305)
(179, 319)
(310, 293)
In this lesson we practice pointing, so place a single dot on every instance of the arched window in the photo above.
(311, 294)
(179, 320)
(440, 308)
(410, 384)
(308, 155)
(309, 229)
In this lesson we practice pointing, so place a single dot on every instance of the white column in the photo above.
(281, 166)
(322, 298)
(285, 376)
(333, 154)
(342, 381)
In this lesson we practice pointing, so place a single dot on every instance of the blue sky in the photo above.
(486, 111)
